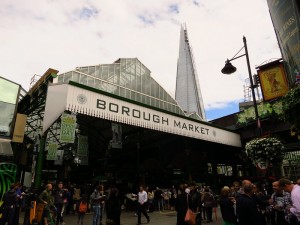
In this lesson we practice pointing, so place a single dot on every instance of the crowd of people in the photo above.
(252, 203)
(244, 203)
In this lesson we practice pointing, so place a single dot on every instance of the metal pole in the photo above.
(251, 83)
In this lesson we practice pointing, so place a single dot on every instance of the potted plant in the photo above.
(263, 151)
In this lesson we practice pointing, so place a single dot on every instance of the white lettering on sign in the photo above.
(114, 109)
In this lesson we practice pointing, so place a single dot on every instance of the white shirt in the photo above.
(142, 197)
(295, 196)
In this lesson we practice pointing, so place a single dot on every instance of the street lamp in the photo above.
(229, 69)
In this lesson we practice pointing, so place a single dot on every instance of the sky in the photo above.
(62, 34)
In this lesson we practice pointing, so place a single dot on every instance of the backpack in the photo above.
(82, 207)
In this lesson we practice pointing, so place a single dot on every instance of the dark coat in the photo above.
(227, 210)
(247, 211)
(113, 208)
(181, 208)
(59, 196)
(9, 199)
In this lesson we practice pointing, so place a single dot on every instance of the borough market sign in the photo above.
(80, 100)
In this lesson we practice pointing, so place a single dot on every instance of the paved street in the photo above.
(156, 218)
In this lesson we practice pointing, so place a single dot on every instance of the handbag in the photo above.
(190, 217)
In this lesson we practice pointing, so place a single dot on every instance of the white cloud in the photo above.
(36, 35)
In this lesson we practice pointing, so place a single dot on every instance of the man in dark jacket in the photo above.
(246, 208)
(60, 195)
(9, 206)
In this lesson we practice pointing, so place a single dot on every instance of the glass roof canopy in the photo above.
(127, 78)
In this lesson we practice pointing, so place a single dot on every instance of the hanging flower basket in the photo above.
(263, 151)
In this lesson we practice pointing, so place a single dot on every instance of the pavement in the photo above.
(166, 217)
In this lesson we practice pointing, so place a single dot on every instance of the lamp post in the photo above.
(229, 69)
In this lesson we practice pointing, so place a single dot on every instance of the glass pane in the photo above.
(8, 91)
(122, 92)
(127, 93)
(133, 94)
(97, 83)
(138, 97)
(67, 77)
(6, 118)
(60, 78)
(92, 70)
(75, 76)
(91, 82)
(104, 72)
(83, 79)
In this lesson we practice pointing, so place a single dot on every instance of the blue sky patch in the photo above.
(174, 8)
(87, 12)
(146, 19)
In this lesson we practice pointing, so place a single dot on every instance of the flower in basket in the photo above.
(265, 150)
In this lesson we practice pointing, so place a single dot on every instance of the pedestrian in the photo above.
(8, 206)
(102, 202)
(82, 207)
(246, 208)
(227, 207)
(208, 201)
(47, 199)
(60, 196)
(150, 194)
(113, 207)
(95, 200)
(181, 205)
(158, 199)
(279, 201)
(142, 205)
(18, 187)
(261, 200)
(195, 202)
(294, 189)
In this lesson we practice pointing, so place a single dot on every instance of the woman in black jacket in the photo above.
(181, 205)
(227, 207)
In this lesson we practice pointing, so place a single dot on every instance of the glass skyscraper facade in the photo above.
(188, 93)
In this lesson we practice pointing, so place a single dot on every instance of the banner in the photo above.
(52, 148)
(82, 149)
(19, 130)
(67, 129)
(117, 135)
(59, 157)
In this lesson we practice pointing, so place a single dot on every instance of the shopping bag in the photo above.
(190, 217)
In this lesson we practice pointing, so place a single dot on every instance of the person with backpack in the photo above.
(82, 207)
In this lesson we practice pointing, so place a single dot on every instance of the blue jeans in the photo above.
(97, 214)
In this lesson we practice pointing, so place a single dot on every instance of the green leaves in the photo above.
(291, 106)
(265, 149)
(265, 109)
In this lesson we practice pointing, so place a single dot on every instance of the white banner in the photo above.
(102, 106)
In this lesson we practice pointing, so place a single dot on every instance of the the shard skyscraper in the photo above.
(188, 93)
